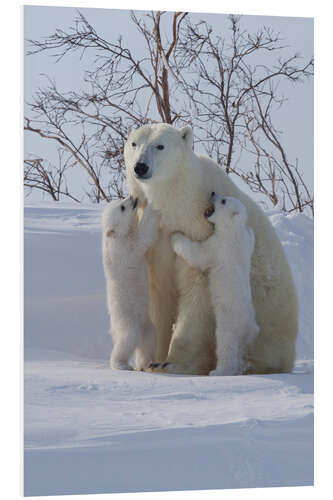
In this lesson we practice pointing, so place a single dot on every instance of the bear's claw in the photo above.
(159, 367)
(168, 367)
(154, 365)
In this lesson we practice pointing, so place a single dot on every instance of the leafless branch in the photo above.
(226, 86)
(48, 178)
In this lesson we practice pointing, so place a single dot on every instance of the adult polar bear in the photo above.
(163, 170)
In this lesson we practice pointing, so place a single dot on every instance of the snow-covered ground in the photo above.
(92, 430)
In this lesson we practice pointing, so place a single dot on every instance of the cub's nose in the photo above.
(141, 169)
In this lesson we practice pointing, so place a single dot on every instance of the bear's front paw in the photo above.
(175, 369)
(158, 367)
(143, 365)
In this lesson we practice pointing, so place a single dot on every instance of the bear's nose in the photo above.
(141, 169)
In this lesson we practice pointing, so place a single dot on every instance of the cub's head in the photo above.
(119, 217)
(154, 153)
(225, 210)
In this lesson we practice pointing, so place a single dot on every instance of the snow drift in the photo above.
(91, 430)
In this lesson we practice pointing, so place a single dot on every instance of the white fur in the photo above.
(125, 243)
(179, 184)
(227, 257)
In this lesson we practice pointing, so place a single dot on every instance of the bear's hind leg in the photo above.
(192, 347)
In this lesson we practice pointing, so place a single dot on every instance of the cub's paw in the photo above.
(118, 365)
(225, 372)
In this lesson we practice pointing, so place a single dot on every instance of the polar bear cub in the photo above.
(125, 242)
(226, 254)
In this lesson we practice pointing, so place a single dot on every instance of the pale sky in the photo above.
(295, 118)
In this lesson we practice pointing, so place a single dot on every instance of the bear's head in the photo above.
(154, 153)
(225, 210)
(120, 217)
(229, 217)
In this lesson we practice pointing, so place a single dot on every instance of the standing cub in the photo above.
(125, 242)
(227, 256)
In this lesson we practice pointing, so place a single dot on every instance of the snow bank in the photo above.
(296, 234)
(65, 306)
(92, 430)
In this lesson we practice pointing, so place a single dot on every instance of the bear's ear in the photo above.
(187, 135)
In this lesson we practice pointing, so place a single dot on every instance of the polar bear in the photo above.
(125, 243)
(226, 254)
(163, 170)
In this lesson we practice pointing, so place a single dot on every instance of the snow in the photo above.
(92, 430)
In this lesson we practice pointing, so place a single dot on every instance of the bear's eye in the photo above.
(160, 147)
(133, 144)
(224, 201)
(122, 208)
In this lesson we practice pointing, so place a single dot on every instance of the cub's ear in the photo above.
(187, 135)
